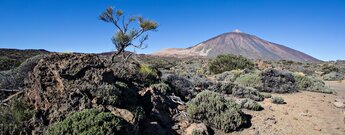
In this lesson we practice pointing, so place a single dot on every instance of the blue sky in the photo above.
(315, 27)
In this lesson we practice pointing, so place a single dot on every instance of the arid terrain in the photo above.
(228, 95)
(305, 113)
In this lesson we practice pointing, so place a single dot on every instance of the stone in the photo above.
(181, 107)
(317, 128)
(339, 104)
(196, 128)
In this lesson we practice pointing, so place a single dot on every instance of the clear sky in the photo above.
(316, 27)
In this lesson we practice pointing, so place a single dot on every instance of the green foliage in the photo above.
(277, 100)
(90, 122)
(333, 76)
(326, 69)
(252, 79)
(197, 132)
(266, 95)
(127, 35)
(7, 63)
(148, 74)
(230, 76)
(250, 104)
(224, 63)
(214, 110)
(14, 118)
(146, 70)
(310, 84)
(162, 87)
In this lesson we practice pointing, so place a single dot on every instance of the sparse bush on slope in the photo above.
(214, 110)
(90, 122)
(229, 62)
(237, 91)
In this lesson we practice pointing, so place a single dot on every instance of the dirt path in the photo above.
(306, 113)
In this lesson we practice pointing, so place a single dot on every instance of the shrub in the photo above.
(278, 81)
(214, 110)
(148, 74)
(7, 63)
(148, 71)
(90, 121)
(229, 76)
(326, 69)
(250, 80)
(248, 92)
(277, 100)
(162, 87)
(266, 95)
(237, 91)
(250, 104)
(224, 63)
(310, 84)
(180, 86)
(14, 118)
(333, 76)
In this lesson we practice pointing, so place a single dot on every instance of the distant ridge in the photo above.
(239, 43)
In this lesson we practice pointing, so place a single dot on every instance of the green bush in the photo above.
(148, 74)
(277, 100)
(90, 122)
(7, 63)
(214, 110)
(333, 76)
(252, 79)
(229, 76)
(326, 69)
(162, 87)
(14, 117)
(266, 95)
(250, 104)
(310, 84)
(224, 63)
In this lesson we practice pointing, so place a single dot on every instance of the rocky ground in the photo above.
(62, 91)
(305, 113)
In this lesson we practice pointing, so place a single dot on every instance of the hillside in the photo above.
(239, 43)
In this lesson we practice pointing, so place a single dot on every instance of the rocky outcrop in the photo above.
(62, 84)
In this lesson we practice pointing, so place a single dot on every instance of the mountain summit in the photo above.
(239, 43)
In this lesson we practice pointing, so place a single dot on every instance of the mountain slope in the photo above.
(239, 43)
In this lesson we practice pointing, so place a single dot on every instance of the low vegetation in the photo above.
(229, 76)
(214, 110)
(333, 76)
(253, 79)
(277, 100)
(162, 87)
(224, 63)
(15, 117)
(250, 104)
(90, 121)
(307, 83)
